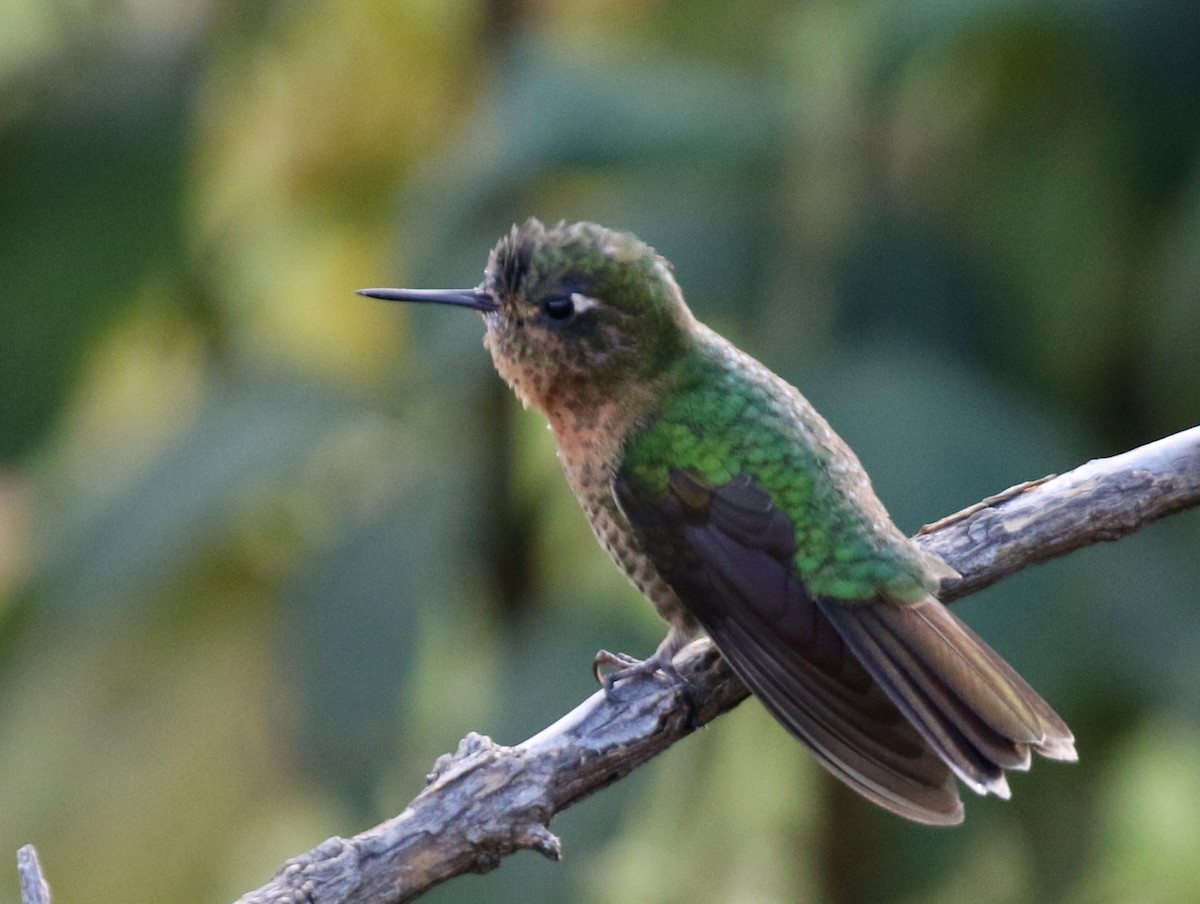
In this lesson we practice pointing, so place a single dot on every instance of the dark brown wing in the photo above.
(727, 553)
(890, 697)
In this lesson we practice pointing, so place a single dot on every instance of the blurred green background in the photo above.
(267, 549)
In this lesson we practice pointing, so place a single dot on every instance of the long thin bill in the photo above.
(475, 299)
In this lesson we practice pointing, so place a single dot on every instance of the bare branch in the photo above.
(34, 889)
(486, 801)
(1104, 499)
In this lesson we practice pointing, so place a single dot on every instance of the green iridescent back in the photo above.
(727, 415)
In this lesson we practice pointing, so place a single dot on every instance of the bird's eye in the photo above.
(560, 307)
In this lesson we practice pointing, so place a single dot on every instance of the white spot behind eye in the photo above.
(583, 302)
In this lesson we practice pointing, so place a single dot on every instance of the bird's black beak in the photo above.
(476, 299)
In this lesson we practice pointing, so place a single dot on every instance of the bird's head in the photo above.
(576, 314)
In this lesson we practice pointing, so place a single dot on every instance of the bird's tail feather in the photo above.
(971, 706)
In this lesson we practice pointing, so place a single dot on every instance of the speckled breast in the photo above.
(591, 479)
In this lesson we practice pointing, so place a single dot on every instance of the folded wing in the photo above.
(893, 699)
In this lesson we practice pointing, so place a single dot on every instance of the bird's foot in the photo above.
(626, 667)
(630, 667)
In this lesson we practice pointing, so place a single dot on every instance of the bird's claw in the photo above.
(630, 667)
(626, 667)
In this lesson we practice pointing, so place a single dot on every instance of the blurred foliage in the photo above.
(267, 549)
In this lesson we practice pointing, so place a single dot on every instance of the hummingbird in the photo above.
(732, 505)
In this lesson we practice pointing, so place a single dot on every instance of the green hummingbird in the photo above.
(733, 506)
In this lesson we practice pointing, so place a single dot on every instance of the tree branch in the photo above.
(1103, 500)
(486, 801)
(34, 889)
